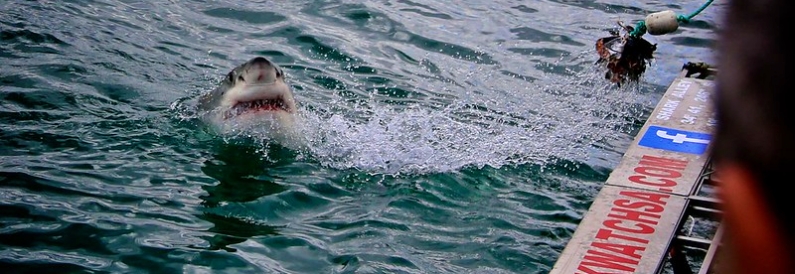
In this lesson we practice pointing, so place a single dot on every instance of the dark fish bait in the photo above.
(625, 56)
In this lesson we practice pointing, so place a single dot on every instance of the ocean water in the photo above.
(441, 137)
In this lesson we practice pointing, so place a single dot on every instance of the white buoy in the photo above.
(663, 22)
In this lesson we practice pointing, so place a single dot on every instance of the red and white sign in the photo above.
(633, 219)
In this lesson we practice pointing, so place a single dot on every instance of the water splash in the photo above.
(563, 118)
(560, 121)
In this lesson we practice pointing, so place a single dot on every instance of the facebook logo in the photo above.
(675, 140)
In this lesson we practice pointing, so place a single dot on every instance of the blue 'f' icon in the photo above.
(675, 140)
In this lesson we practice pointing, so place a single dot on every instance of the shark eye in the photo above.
(240, 78)
(279, 73)
(230, 77)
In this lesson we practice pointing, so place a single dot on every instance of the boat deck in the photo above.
(656, 212)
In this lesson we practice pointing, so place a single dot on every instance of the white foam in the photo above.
(560, 122)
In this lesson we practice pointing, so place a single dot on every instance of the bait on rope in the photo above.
(625, 54)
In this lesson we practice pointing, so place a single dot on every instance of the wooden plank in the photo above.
(632, 221)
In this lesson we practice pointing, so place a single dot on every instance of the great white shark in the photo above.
(254, 98)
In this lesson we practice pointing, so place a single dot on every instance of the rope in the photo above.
(699, 10)
(640, 27)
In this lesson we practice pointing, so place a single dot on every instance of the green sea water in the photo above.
(442, 137)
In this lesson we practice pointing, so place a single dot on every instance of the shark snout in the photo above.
(260, 71)
(260, 61)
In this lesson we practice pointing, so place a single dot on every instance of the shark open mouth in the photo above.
(271, 105)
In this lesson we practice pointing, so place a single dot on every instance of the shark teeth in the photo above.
(256, 105)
